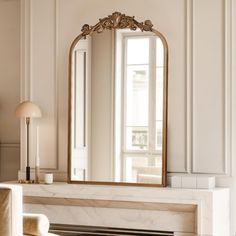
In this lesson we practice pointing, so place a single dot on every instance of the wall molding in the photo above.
(188, 84)
(233, 75)
(27, 79)
(25, 67)
(189, 158)
(55, 88)
(189, 76)
(9, 145)
(226, 80)
(228, 87)
(56, 99)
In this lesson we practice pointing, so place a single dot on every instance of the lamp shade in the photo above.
(28, 109)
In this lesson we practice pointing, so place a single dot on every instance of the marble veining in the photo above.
(108, 217)
(212, 214)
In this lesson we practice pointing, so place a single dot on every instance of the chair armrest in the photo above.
(35, 224)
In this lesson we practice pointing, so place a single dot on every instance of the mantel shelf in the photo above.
(119, 193)
(210, 205)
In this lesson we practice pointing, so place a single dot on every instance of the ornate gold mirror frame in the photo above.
(121, 21)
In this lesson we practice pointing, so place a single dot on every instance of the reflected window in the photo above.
(141, 107)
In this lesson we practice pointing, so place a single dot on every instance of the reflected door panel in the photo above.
(80, 106)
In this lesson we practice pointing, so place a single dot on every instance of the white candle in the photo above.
(37, 147)
(48, 178)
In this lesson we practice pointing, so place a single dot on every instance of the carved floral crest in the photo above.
(117, 21)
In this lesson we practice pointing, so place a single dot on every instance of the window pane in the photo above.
(159, 107)
(136, 138)
(159, 53)
(158, 135)
(79, 99)
(137, 51)
(137, 82)
(159, 93)
(136, 132)
(143, 169)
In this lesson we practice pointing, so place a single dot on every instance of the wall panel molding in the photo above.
(9, 145)
(233, 75)
(228, 86)
(192, 159)
(186, 159)
(25, 65)
(37, 74)
(218, 156)
(56, 99)
(189, 99)
(48, 101)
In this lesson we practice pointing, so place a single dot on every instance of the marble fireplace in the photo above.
(185, 212)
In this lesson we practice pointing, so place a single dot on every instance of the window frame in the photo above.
(151, 151)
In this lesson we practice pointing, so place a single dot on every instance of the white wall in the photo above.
(9, 89)
(202, 73)
(40, 75)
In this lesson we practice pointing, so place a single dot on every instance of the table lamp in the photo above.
(27, 110)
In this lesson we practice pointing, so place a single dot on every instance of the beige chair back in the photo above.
(11, 210)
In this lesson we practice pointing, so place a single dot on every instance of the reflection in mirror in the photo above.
(117, 111)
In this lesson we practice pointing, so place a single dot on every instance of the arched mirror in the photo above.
(118, 104)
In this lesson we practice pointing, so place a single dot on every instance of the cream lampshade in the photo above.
(27, 110)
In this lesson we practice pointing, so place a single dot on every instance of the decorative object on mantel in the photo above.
(48, 178)
(28, 110)
(194, 181)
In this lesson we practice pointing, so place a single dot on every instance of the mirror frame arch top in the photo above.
(120, 21)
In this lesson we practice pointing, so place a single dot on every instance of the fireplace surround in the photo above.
(182, 211)
(75, 230)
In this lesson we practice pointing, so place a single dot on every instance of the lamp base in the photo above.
(27, 173)
(37, 174)
(23, 181)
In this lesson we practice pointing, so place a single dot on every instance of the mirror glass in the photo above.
(117, 108)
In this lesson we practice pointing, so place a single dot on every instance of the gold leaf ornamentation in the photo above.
(117, 21)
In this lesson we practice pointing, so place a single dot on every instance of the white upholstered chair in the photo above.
(12, 220)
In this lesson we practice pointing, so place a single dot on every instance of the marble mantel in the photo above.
(205, 211)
